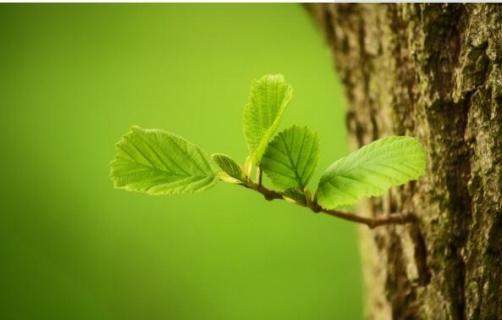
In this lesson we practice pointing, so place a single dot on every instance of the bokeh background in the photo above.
(73, 79)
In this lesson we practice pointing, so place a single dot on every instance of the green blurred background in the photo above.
(73, 79)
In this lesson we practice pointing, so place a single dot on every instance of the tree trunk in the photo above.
(434, 72)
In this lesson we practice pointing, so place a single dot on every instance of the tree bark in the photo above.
(433, 72)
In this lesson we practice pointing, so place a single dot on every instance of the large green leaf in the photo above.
(158, 162)
(267, 102)
(291, 157)
(371, 171)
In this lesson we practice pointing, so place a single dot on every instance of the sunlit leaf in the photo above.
(371, 171)
(157, 162)
(267, 102)
(291, 157)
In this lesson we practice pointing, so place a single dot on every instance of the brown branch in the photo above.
(372, 223)
(395, 218)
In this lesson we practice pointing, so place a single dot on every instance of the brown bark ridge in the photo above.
(434, 72)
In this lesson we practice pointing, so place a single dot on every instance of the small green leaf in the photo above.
(228, 165)
(292, 157)
(371, 171)
(268, 99)
(157, 162)
(295, 195)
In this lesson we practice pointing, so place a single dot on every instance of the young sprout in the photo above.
(158, 162)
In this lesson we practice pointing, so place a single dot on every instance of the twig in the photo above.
(372, 223)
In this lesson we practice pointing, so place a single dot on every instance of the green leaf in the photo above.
(268, 99)
(371, 171)
(228, 165)
(292, 157)
(295, 195)
(160, 163)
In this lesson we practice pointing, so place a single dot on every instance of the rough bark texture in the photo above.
(434, 72)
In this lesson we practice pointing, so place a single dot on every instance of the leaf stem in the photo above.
(260, 176)
(395, 218)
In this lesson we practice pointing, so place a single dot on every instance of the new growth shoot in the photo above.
(158, 162)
